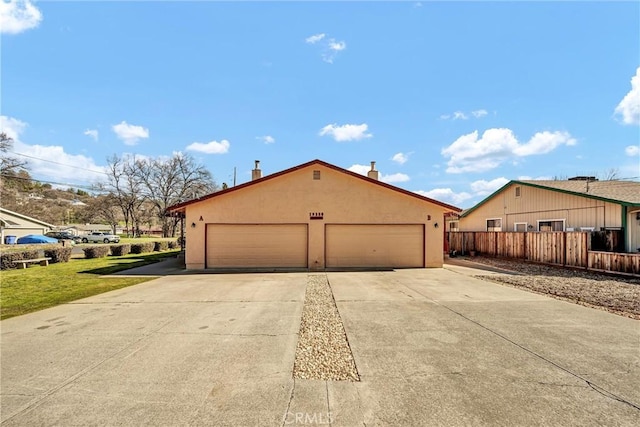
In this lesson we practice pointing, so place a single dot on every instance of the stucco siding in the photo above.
(536, 204)
(290, 198)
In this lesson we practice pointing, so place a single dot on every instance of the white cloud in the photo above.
(49, 162)
(93, 133)
(472, 154)
(396, 177)
(400, 158)
(213, 147)
(17, 16)
(267, 139)
(446, 195)
(346, 132)
(80, 168)
(11, 127)
(337, 46)
(130, 134)
(461, 115)
(483, 188)
(360, 169)
(329, 47)
(538, 178)
(314, 38)
(629, 107)
(632, 150)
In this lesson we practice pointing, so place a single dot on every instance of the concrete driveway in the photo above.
(432, 347)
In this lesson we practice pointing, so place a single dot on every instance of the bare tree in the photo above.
(10, 167)
(126, 189)
(611, 174)
(171, 181)
(103, 208)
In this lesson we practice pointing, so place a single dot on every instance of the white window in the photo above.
(520, 226)
(551, 225)
(494, 224)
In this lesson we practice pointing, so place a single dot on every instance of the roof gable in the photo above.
(622, 192)
(13, 218)
(181, 206)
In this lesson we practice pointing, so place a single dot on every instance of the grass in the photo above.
(37, 288)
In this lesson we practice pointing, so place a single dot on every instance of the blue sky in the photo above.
(451, 100)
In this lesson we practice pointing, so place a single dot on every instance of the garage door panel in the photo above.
(374, 246)
(256, 245)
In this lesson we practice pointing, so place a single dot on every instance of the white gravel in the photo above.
(323, 352)
(616, 294)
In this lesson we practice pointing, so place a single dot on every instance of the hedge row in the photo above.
(62, 254)
(142, 248)
(96, 252)
(120, 250)
(7, 259)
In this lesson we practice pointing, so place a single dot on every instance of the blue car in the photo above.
(36, 238)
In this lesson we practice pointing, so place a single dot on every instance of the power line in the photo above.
(42, 181)
(58, 163)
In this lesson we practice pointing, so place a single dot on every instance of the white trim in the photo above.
(492, 219)
(564, 222)
(516, 224)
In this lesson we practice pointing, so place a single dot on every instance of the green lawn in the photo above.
(37, 287)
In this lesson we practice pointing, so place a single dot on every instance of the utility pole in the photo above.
(234, 176)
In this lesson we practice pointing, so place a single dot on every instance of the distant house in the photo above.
(577, 204)
(18, 225)
(79, 229)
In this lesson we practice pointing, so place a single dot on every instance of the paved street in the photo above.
(432, 347)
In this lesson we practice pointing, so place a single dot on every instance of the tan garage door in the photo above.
(383, 246)
(256, 245)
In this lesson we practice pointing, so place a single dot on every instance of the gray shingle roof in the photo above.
(623, 191)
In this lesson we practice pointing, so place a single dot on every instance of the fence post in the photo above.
(564, 248)
(586, 250)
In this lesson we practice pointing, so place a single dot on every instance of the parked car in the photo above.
(63, 235)
(98, 237)
(35, 238)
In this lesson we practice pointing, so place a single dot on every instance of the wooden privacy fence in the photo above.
(566, 248)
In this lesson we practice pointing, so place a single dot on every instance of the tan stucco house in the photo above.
(313, 216)
(576, 204)
(18, 225)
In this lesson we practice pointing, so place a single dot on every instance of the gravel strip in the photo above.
(619, 295)
(323, 352)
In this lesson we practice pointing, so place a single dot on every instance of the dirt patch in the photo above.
(616, 294)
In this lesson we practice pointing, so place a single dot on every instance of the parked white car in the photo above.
(98, 237)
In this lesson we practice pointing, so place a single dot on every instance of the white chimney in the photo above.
(256, 173)
(373, 173)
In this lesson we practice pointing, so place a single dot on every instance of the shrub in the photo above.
(7, 259)
(61, 254)
(173, 244)
(96, 252)
(162, 245)
(120, 250)
(141, 248)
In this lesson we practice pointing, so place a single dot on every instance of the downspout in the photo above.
(624, 212)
